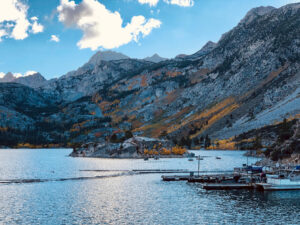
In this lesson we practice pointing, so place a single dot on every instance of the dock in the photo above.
(207, 178)
(229, 186)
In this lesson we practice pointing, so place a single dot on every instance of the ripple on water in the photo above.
(141, 199)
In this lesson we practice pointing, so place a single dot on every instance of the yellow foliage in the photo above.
(227, 103)
(3, 129)
(177, 150)
(227, 144)
(165, 151)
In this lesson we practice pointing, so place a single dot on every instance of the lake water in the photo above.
(130, 199)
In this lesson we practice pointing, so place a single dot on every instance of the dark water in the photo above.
(137, 199)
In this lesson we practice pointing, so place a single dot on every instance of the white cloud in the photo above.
(54, 38)
(14, 22)
(17, 75)
(150, 2)
(101, 27)
(29, 73)
(37, 28)
(26, 74)
(34, 18)
(183, 3)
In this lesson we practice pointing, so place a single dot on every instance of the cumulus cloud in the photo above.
(36, 27)
(101, 27)
(14, 22)
(54, 38)
(17, 75)
(150, 2)
(29, 73)
(183, 3)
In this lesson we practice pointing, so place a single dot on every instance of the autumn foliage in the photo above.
(176, 150)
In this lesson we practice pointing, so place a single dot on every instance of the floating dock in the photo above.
(229, 186)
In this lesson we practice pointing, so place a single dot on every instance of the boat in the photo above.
(280, 182)
(191, 159)
(156, 157)
(146, 159)
(218, 157)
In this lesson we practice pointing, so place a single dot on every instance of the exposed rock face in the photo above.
(106, 56)
(155, 58)
(290, 146)
(34, 80)
(9, 77)
(131, 148)
(249, 79)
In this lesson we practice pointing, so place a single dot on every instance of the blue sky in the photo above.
(173, 30)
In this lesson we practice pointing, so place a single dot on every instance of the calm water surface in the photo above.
(137, 199)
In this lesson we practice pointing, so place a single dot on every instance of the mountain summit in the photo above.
(106, 56)
(155, 58)
(33, 80)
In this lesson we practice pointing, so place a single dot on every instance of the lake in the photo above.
(130, 199)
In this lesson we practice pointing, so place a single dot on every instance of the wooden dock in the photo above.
(209, 178)
(229, 186)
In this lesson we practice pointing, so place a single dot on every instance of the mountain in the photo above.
(106, 56)
(207, 48)
(9, 77)
(34, 80)
(244, 84)
(155, 58)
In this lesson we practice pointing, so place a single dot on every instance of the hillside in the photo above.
(248, 80)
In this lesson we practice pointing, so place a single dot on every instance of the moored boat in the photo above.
(281, 182)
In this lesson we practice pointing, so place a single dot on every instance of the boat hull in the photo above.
(274, 187)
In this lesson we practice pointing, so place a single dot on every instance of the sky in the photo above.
(54, 37)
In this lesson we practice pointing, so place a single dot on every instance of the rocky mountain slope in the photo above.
(248, 80)
(34, 80)
(155, 58)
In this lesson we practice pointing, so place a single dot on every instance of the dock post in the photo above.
(199, 165)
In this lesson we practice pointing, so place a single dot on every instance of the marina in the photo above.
(246, 177)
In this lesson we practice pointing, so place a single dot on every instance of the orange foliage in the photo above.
(214, 113)
(173, 73)
(3, 129)
(98, 134)
(177, 150)
(166, 151)
(144, 82)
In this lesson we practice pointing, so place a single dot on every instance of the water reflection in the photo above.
(142, 199)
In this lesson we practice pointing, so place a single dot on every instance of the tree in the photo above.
(114, 138)
(207, 141)
(163, 134)
(284, 131)
(128, 134)
(257, 143)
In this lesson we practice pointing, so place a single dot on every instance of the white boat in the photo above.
(280, 182)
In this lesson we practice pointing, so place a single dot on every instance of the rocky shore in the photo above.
(286, 152)
(135, 147)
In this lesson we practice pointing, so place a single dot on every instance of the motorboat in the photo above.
(281, 182)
